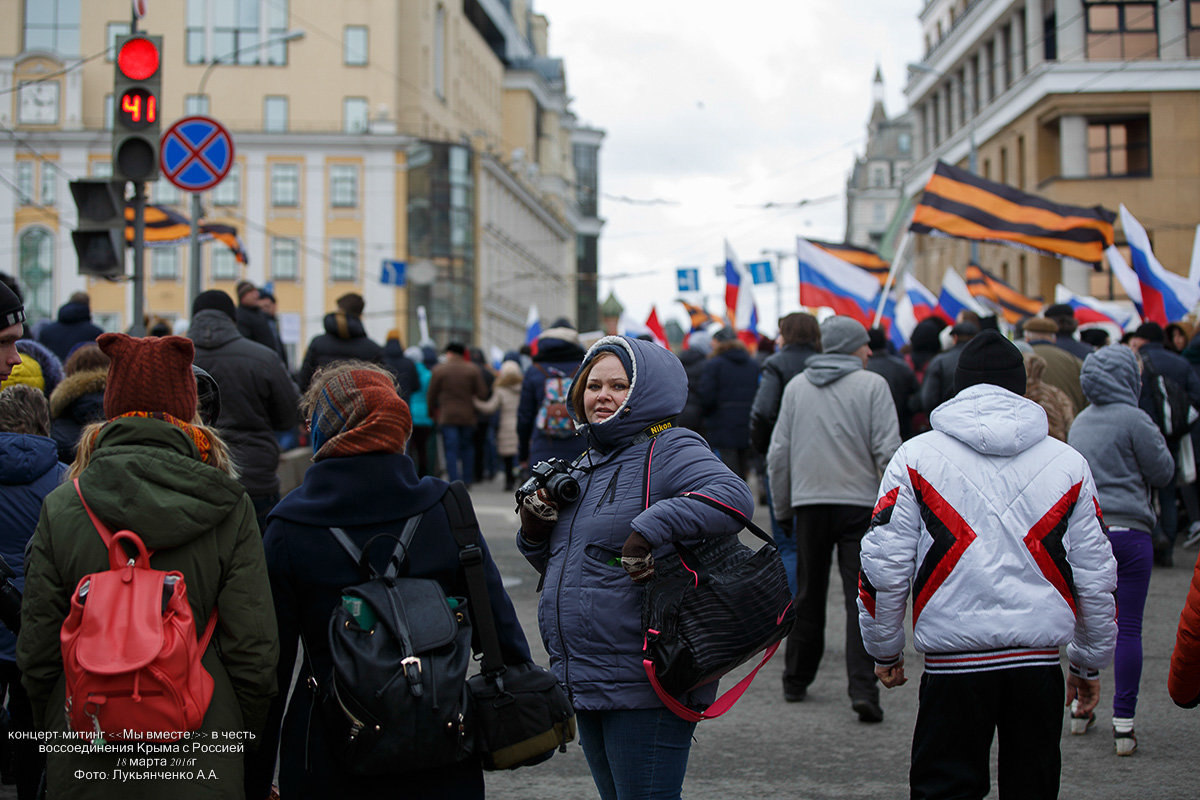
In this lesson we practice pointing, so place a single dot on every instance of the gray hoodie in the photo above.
(1123, 447)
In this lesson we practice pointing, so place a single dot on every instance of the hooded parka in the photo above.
(590, 611)
(146, 475)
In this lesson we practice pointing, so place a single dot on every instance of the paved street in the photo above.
(765, 748)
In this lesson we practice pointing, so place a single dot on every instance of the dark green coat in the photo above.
(146, 475)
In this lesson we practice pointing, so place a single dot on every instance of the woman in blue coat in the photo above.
(362, 482)
(627, 392)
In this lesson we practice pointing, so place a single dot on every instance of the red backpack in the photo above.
(130, 654)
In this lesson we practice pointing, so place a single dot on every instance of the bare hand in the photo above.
(1087, 692)
(892, 676)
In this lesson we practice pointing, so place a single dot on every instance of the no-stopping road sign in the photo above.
(196, 153)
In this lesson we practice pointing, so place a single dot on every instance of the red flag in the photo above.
(656, 328)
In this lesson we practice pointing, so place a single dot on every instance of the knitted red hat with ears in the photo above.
(150, 374)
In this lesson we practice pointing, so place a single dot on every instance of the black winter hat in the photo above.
(214, 300)
(1150, 331)
(991, 358)
(12, 311)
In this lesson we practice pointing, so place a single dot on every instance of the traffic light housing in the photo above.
(100, 237)
(137, 89)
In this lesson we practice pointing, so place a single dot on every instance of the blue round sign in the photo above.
(196, 153)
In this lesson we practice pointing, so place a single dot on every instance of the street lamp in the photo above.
(197, 205)
(972, 152)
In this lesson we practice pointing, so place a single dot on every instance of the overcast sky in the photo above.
(716, 108)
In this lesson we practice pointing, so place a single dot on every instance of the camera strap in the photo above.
(644, 435)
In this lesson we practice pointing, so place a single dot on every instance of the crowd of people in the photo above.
(1013, 492)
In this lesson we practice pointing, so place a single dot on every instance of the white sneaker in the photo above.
(1080, 723)
(1193, 536)
(1126, 743)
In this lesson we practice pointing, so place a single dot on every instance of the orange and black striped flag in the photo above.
(998, 295)
(168, 228)
(698, 316)
(965, 206)
(858, 256)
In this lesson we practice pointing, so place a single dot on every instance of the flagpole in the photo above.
(891, 278)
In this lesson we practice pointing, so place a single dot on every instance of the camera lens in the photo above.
(565, 488)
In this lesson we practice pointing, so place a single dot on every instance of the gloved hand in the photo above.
(637, 559)
(538, 518)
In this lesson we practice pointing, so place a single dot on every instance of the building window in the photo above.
(25, 183)
(354, 45)
(195, 104)
(285, 262)
(49, 193)
(164, 193)
(101, 169)
(229, 191)
(878, 177)
(231, 30)
(1126, 31)
(343, 185)
(1119, 147)
(275, 114)
(52, 25)
(111, 32)
(224, 265)
(109, 111)
(1193, 23)
(36, 267)
(354, 115)
(164, 263)
(285, 185)
(878, 213)
(585, 158)
(904, 143)
(343, 259)
(439, 52)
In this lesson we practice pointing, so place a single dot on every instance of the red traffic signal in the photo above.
(138, 59)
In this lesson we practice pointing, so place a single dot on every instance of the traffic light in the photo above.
(100, 237)
(137, 86)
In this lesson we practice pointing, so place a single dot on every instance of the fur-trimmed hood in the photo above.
(76, 387)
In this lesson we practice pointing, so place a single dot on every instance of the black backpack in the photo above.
(1170, 407)
(396, 698)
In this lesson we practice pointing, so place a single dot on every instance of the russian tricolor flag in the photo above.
(533, 328)
(826, 280)
(1090, 311)
(1166, 297)
(915, 304)
(739, 298)
(956, 298)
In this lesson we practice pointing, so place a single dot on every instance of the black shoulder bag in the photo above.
(521, 713)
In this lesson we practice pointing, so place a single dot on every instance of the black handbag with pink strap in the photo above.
(712, 609)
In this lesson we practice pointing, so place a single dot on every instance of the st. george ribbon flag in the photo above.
(961, 205)
(998, 295)
(167, 228)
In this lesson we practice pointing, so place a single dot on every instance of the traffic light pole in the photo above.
(138, 328)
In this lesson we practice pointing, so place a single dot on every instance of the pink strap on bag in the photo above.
(720, 705)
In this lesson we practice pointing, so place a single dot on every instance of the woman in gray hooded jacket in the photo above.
(595, 552)
(1128, 456)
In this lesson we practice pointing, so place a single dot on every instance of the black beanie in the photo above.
(214, 300)
(1150, 331)
(990, 358)
(12, 312)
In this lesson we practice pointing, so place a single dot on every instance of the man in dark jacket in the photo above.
(251, 321)
(453, 386)
(1064, 316)
(938, 385)
(558, 354)
(698, 349)
(1147, 340)
(899, 375)
(74, 325)
(344, 338)
(257, 396)
(267, 304)
(408, 380)
(727, 387)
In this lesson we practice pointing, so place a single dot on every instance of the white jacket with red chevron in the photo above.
(995, 529)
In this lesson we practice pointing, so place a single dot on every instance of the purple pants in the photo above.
(1134, 555)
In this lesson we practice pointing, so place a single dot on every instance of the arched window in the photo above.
(35, 271)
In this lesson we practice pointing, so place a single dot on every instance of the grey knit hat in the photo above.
(842, 335)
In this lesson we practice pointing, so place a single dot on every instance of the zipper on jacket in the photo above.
(610, 492)
(558, 598)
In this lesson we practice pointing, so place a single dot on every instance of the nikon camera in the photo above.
(554, 476)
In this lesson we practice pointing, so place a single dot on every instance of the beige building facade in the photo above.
(1086, 103)
(433, 133)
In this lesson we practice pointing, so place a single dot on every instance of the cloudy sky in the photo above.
(712, 110)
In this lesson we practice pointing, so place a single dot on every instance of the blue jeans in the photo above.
(636, 754)
(785, 543)
(459, 442)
